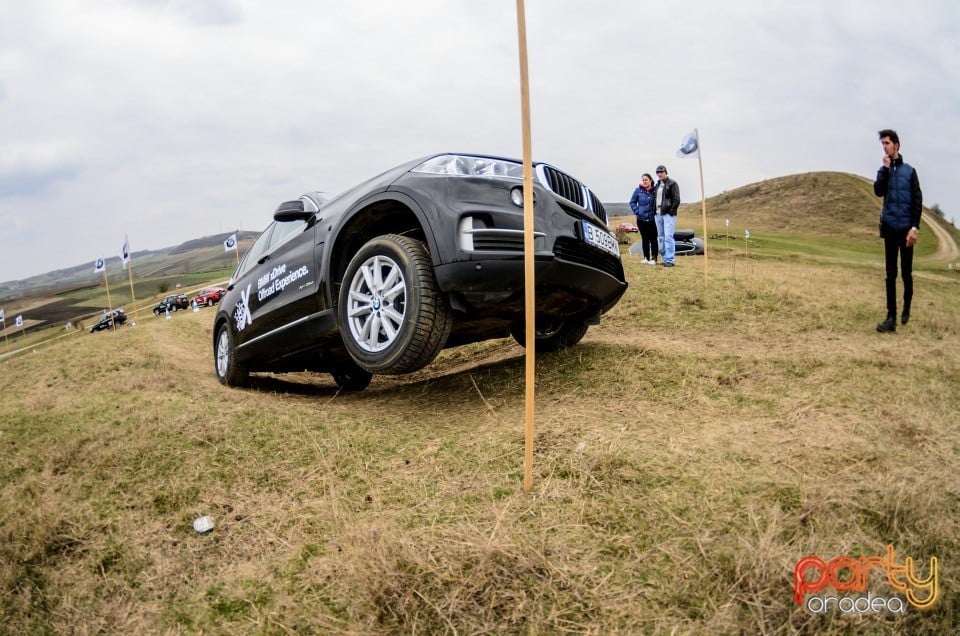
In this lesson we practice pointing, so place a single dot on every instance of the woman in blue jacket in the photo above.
(642, 204)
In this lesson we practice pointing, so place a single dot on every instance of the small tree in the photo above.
(163, 287)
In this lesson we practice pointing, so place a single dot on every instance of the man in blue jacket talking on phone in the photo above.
(899, 186)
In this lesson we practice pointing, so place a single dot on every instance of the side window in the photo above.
(283, 231)
(258, 249)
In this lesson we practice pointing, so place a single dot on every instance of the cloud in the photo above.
(171, 119)
(34, 172)
(207, 13)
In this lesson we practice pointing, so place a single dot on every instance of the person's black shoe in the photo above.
(904, 317)
(887, 326)
(668, 264)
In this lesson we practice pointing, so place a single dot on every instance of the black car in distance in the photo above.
(106, 321)
(173, 302)
(427, 255)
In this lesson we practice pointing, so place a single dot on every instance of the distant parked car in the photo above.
(106, 322)
(687, 244)
(627, 227)
(209, 297)
(173, 302)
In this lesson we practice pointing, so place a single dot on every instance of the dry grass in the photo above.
(689, 451)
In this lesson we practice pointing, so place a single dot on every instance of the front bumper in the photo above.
(479, 237)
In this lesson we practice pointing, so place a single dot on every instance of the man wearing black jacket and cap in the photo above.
(899, 186)
(666, 203)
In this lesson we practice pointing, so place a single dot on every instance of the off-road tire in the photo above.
(392, 316)
(229, 370)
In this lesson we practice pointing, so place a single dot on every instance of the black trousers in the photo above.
(648, 239)
(894, 248)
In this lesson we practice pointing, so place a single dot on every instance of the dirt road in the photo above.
(947, 250)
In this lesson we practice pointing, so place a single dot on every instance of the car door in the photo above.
(279, 288)
(287, 284)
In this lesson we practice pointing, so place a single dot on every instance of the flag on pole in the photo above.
(18, 321)
(690, 146)
(125, 251)
(746, 234)
(1, 315)
(99, 265)
(230, 243)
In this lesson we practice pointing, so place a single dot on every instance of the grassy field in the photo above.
(689, 452)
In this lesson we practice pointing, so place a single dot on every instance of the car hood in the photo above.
(385, 179)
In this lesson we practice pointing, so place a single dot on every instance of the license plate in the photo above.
(600, 238)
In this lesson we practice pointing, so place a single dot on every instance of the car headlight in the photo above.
(467, 166)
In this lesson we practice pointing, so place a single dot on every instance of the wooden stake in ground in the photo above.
(529, 277)
(101, 266)
(125, 258)
(133, 298)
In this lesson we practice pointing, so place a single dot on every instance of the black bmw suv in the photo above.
(173, 302)
(424, 256)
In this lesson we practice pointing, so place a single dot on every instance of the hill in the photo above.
(73, 295)
(814, 204)
(823, 204)
(203, 254)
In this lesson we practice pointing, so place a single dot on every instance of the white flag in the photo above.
(746, 234)
(1, 315)
(125, 251)
(230, 243)
(690, 146)
(99, 265)
(18, 321)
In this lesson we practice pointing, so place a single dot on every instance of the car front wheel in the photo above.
(229, 370)
(552, 335)
(392, 316)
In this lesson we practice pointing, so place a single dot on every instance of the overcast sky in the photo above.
(168, 120)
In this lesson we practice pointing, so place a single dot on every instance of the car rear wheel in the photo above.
(229, 370)
(350, 377)
(552, 334)
(393, 318)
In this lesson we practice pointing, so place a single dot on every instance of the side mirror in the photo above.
(291, 211)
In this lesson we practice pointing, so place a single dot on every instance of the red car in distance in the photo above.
(208, 297)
